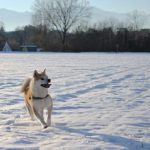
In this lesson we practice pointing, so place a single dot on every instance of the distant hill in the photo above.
(99, 15)
(13, 19)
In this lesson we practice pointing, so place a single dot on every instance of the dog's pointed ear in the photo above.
(44, 72)
(35, 73)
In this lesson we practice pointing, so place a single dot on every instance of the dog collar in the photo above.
(40, 98)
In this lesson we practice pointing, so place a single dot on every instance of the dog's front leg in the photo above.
(39, 115)
(49, 110)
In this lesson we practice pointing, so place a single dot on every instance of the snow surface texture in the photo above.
(101, 102)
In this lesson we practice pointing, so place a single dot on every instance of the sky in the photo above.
(122, 6)
(17, 5)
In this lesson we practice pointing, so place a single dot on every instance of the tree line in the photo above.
(91, 40)
(58, 27)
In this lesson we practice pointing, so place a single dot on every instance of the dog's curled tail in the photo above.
(25, 85)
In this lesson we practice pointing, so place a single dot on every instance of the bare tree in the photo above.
(60, 15)
(136, 20)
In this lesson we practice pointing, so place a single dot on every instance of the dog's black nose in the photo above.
(49, 80)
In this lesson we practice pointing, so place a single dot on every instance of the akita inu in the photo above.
(36, 95)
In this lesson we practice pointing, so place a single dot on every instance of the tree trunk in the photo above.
(64, 40)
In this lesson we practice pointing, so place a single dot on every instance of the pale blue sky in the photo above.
(110, 5)
(17, 5)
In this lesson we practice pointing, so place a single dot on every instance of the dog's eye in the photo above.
(42, 78)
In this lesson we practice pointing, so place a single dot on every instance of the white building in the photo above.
(7, 48)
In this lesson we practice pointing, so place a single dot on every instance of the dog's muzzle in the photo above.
(47, 85)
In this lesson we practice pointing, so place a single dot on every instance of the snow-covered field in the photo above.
(101, 102)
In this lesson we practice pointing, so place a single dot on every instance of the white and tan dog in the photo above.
(37, 99)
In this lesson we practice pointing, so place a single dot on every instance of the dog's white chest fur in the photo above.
(42, 103)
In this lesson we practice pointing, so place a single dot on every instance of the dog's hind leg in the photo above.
(39, 115)
(31, 113)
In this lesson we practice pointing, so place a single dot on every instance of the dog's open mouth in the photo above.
(46, 85)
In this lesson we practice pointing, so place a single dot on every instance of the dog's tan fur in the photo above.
(32, 87)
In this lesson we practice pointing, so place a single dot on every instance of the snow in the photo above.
(101, 101)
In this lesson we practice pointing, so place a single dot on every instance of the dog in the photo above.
(36, 97)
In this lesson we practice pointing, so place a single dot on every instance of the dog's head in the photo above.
(42, 79)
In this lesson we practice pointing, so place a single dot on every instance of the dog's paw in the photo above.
(45, 126)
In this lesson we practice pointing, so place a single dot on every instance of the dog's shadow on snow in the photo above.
(113, 139)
